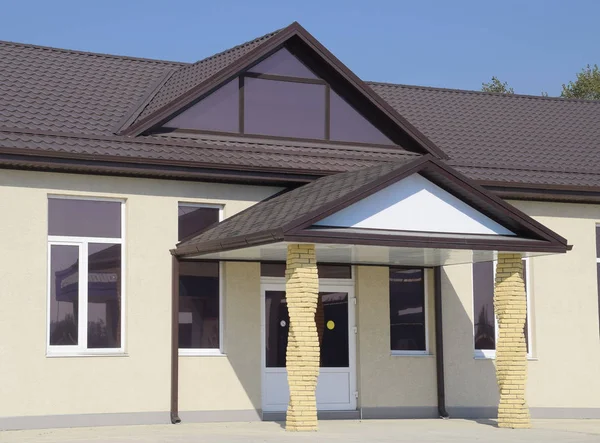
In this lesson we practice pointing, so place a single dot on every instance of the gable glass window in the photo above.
(200, 298)
(408, 311)
(85, 280)
(281, 97)
(485, 322)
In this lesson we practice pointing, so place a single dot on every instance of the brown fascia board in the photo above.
(228, 244)
(501, 243)
(295, 29)
(118, 166)
(537, 192)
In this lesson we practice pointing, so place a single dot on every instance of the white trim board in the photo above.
(414, 204)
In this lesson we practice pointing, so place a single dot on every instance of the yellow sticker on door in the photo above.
(330, 325)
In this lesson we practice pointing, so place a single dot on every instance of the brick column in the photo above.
(510, 305)
(302, 357)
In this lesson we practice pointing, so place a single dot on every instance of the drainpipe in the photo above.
(439, 342)
(175, 342)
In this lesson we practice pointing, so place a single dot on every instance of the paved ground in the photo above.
(446, 431)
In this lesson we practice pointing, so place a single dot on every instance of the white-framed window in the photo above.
(485, 323)
(409, 333)
(86, 276)
(200, 287)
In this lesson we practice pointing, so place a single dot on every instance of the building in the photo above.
(151, 210)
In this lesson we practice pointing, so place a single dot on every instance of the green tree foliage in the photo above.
(587, 85)
(496, 85)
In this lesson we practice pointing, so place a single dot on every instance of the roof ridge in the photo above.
(93, 54)
(233, 48)
(469, 91)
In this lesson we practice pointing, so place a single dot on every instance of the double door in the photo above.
(336, 386)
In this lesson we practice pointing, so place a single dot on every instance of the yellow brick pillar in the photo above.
(302, 357)
(510, 305)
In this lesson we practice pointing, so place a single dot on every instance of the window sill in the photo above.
(86, 354)
(411, 354)
(201, 353)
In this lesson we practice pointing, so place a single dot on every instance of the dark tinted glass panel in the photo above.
(283, 63)
(346, 124)
(407, 310)
(104, 295)
(64, 295)
(324, 270)
(84, 218)
(217, 112)
(332, 327)
(284, 109)
(277, 326)
(193, 219)
(199, 305)
(483, 305)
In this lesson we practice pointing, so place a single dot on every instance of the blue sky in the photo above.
(535, 45)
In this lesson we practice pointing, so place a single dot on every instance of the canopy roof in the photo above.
(326, 211)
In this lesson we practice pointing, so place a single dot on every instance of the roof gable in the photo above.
(294, 216)
(414, 204)
(191, 83)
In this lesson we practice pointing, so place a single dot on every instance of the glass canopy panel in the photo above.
(218, 111)
(283, 63)
(284, 109)
(349, 126)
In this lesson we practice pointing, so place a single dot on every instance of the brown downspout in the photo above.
(439, 342)
(175, 342)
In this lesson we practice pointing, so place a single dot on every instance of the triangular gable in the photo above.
(414, 204)
(298, 40)
(306, 214)
(280, 96)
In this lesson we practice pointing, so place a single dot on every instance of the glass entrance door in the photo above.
(335, 328)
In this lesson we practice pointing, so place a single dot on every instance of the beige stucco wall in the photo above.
(386, 380)
(565, 363)
(230, 382)
(33, 384)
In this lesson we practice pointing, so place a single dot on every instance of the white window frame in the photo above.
(81, 349)
(491, 353)
(209, 352)
(426, 292)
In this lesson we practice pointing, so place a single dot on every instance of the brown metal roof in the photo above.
(61, 103)
(290, 216)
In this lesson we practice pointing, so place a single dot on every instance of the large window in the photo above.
(408, 311)
(200, 310)
(280, 97)
(485, 322)
(85, 281)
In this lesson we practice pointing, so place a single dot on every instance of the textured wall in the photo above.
(33, 384)
(385, 380)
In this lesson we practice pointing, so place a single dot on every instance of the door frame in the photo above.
(325, 285)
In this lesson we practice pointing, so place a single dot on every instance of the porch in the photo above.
(417, 216)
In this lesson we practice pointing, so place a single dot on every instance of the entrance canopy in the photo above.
(418, 211)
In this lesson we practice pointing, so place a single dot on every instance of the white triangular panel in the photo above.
(415, 204)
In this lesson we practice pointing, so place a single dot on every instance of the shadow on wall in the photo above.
(471, 386)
